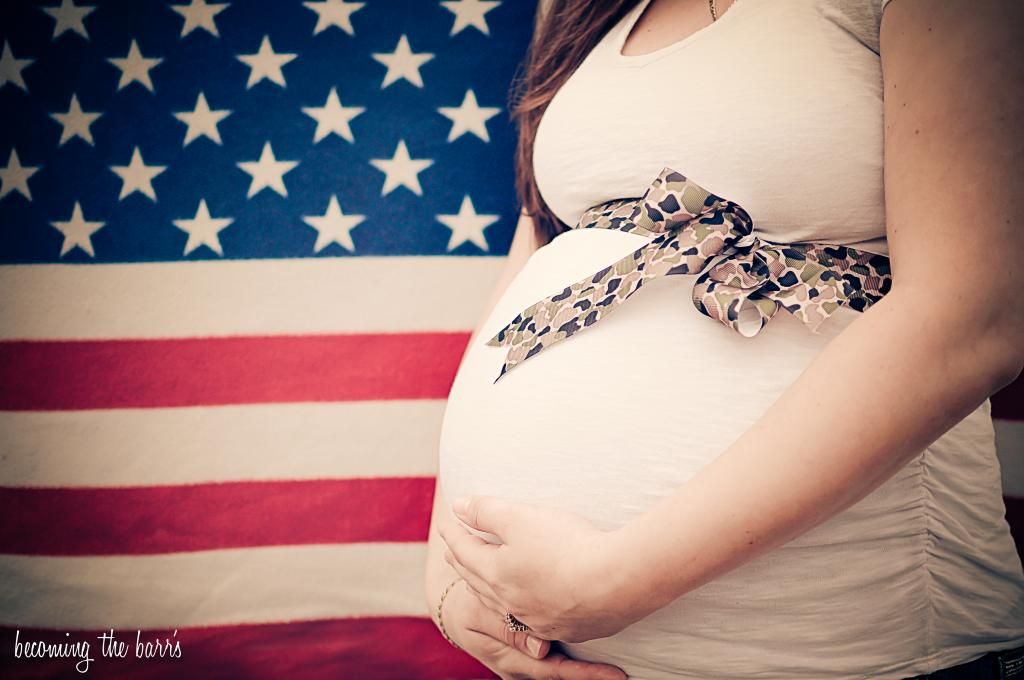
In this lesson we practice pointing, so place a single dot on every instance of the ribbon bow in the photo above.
(742, 283)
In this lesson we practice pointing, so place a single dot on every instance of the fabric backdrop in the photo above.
(242, 246)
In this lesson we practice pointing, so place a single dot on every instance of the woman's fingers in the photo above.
(479, 585)
(487, 621)
(488, 601)
(517, 666)
(514, 655)
(573, 669)
(521, 640)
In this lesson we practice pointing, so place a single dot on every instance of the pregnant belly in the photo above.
(609, 421)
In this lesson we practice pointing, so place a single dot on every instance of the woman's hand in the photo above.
(483, 635)
(554, 570)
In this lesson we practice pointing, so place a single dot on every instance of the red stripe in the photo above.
(51, 375)
(1008, 403)
(162, 519)
(385, 648)
(45, 375)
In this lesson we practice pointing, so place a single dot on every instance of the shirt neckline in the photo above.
(633, 17)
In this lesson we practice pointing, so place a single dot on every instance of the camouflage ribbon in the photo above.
(743, 280)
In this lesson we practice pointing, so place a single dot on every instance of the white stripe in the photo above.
(1010, 446)
(220, 443)
(182, 299)
(262, 441)
(252, 585)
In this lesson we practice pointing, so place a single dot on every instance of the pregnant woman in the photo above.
(727, 415)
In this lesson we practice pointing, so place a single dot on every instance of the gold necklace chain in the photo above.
(711, 6)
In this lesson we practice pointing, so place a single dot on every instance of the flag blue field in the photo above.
(257, 129)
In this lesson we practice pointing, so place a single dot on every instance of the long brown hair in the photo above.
(563, 36)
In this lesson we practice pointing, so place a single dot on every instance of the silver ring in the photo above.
(515, 624)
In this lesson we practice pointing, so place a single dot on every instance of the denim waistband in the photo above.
(1006, 664)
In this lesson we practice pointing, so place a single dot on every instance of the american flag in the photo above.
(242, 246)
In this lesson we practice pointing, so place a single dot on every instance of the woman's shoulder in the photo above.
(861, 18)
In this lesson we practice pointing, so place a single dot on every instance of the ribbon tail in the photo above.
(589, 300)
(507, 333)
(504, 370)
(576, 307)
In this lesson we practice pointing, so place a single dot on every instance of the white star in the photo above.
(201, 121)
(334, 13)
(198, 14)
(137, 176)
(76, 122)
(467, 225)
(69, 18)
(267, 172)
(77, 232)
(332, 117)
(333, 227)
(470, 13)
(11, 68)
(266, 64)
(202, 229)
(15, 176)
(403, 63)
(135, 68)
(469, 117)
(400, 170)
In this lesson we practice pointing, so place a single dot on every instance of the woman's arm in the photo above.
(949, 334)
(439, 573)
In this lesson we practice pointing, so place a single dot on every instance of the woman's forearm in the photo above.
(885, 388)
(438, 572)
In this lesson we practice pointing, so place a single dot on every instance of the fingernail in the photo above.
(533, 644)
(460, 505)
